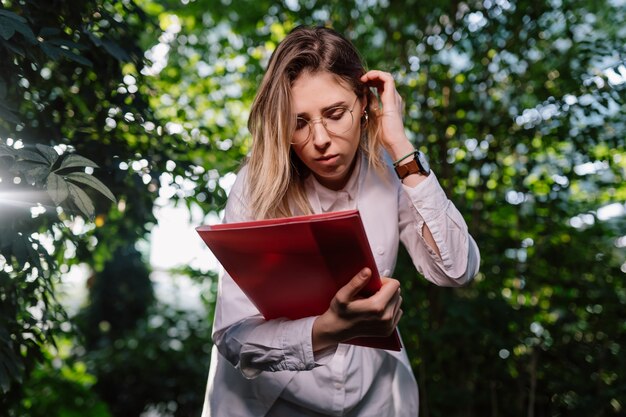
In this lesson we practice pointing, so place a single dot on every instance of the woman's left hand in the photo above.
(392, 127)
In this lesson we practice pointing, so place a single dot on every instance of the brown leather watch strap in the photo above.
(411, 167)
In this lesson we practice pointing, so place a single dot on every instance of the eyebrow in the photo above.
(340, 103)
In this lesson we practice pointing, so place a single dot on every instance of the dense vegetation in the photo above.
(109, 108)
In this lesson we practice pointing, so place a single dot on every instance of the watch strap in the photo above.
(411, 167)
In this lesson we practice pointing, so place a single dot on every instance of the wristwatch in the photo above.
(418, 165)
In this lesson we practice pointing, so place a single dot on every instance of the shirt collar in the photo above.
(328, 197)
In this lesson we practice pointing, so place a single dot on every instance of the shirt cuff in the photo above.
(292, 351)
(432, 204)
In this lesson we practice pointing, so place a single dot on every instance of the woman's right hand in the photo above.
(350, 315)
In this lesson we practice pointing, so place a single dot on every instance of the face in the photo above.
(330, 155)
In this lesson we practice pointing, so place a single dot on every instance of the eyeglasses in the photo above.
(336, 120)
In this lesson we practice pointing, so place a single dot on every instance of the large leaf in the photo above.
(21, 167)
(37, 174)
(69, 44)
(13, 16)
(76, 58)
(90, 180)
(57, 188)
(6, 151)
(29, 155)
(73, 161)
(82, 201)
(17, 24)
(52, 51)
(6, 31)
(116, 50)
(48, 152)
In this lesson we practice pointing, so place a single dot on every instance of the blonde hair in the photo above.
(276, 175)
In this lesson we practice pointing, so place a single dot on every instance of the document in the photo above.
(292, 267)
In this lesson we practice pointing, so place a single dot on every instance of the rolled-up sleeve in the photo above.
(459, 256)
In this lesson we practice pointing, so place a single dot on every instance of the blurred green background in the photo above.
(520, 105)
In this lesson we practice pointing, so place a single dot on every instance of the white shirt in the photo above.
(268, 367)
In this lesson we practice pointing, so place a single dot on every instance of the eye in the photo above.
(336, 113)
(301, 123)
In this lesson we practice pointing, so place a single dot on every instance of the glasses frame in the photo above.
(311, 122)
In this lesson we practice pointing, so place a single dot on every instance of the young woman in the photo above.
(323, 142)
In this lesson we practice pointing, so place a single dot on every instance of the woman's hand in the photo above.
(351, 316)
(392, 127)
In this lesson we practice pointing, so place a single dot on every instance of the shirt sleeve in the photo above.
(427, 204)
(241, 334)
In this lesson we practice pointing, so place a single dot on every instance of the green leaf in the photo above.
(53, 52)
(21, 167)
(48, 152)
(6, 151)
(57, 188)
(6, 31)
(76, 58)
(73, 161)
(28, 155)
(18, 25)
(16, 49)
(82, 201)
(114, 49)
(12, 16)
(90, 180)
(37, 174)
(69, 44)
(96, 40)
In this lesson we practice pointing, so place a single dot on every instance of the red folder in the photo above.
(292, 267)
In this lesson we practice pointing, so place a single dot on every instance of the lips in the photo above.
(326, 158)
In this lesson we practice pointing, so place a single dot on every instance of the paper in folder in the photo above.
(292, 267)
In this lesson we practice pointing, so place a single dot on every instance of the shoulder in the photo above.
(237, 205)
(382, 175)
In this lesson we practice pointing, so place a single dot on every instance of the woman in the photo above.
(323, 142)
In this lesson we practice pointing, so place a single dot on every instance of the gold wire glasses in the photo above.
(336, 120)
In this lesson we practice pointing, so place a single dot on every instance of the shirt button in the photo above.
(380, 250)
(386, 272)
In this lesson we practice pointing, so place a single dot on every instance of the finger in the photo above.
(397, 318)
(385, 295)
(382, 81)
(354, 286)
(390, 99)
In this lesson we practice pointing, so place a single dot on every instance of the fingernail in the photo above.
(364, 273)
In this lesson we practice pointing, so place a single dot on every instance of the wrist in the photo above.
(322, 337)
(399, 148)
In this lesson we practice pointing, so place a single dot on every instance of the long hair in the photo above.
(275, 174)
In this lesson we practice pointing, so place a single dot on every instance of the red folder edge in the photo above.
(230, 242)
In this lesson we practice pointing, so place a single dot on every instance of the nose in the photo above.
(320, 136)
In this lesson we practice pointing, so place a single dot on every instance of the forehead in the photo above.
(311, 92)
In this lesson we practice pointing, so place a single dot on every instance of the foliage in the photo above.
(61, 387)
(70, 76)
(519, 105)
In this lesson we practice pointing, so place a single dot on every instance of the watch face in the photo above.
(424, 162)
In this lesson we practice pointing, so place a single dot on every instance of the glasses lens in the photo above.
(338, 120)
